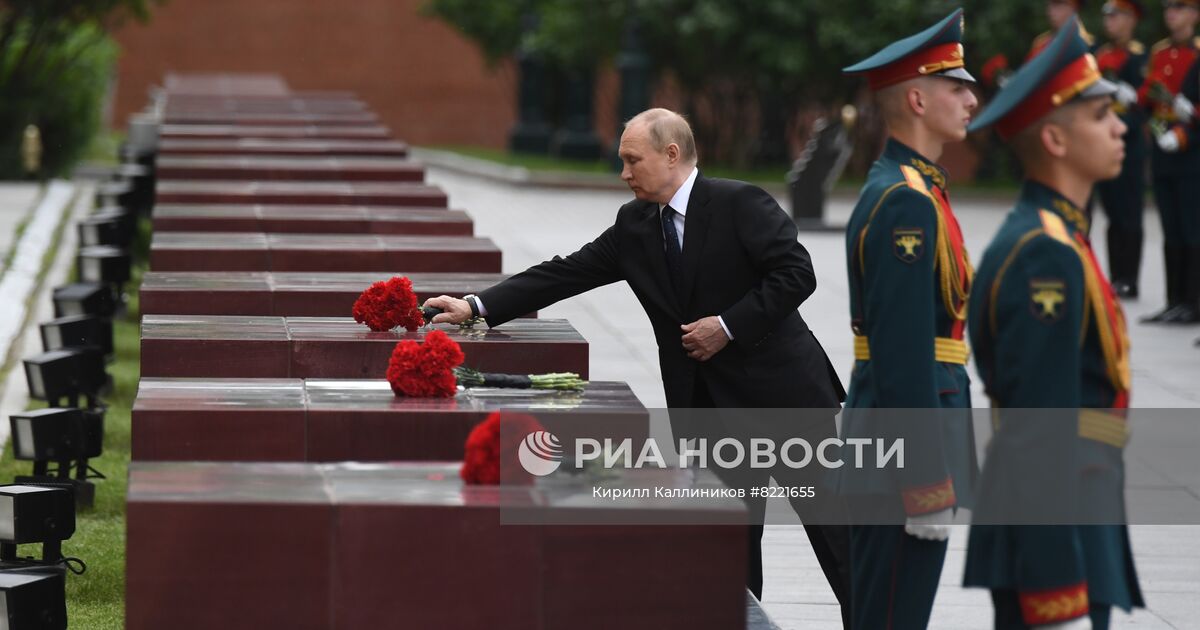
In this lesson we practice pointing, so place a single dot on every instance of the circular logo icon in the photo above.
(540, 453)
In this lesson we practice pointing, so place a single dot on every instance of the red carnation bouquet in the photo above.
(388, 304)
(491, 453)
(434, 370)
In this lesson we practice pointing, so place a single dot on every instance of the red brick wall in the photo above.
(425, 81)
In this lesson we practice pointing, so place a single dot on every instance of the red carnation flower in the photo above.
(491, 450)
(425, 370)
(388, 304)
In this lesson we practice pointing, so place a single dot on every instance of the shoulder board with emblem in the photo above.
(1054, 227)
(1088, 38)
(913, 177)
(1161, 45)
(1196, 42)
(1136, 47)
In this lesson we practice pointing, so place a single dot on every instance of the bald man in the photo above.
(718, 269)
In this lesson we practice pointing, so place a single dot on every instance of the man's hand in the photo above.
(935, 526)
(456, 311)
(1078, 623)
(703, 338)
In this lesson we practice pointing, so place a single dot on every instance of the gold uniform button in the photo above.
(1174, 53)
(1168, 71)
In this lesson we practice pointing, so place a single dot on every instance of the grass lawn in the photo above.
(96, 599)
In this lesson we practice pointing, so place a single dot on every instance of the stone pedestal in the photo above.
(286, 293)
(338, 347)
(300, 193)
(267, 146)
(247, 251)
(283, 219)
(274, 132)
(348, 420)
(407, 545)
(233, 167)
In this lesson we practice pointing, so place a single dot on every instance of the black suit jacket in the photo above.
(741, 260)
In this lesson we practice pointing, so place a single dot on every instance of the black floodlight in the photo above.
(116, 193)
(58, 434)
(108, 228)
(33, 600)
(35, 514)
(84, 298)
(142, 179)
(104, 264)
(74, 331)
(67, 373)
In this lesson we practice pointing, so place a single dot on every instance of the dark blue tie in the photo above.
(674, 255)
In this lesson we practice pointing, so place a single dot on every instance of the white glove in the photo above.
(933, 526)
(1168, 141)
(1184, 110)
(1078, 623)
(1126, 94)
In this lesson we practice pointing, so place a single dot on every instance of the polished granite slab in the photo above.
(338, 347)
(280, 218)
(332, 420)
(180, 116)
(279, 132)
(376, 545)
(266, 146)
(240, 167)
(291, 102)
(255, 251)
(286, 293)
(300, 192)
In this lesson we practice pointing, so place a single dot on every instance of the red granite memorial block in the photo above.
(364, 421)
(234, 548)
(267, 146)
(286, 293)
(249, 251)
(220, 419)
(294, 219)
(338, 347)
(186, 117)
(300, 193)
(410, 546)
(274, 132)
(236, 167)
(217, 346)
(325, 420)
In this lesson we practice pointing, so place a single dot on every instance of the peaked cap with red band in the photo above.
(1064, 72)
(935, 51)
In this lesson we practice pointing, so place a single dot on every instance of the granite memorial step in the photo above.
(300, 192)
(266, 146)
(236, 167)
(317, 546)
(324, 420)
(280, 218)
(187, 117)
(252, 251)
(275, 132)
(338, 347)
(287, 294)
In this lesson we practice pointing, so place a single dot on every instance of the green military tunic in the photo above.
(1048, 332)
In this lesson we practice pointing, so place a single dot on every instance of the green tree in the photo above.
(55, 63)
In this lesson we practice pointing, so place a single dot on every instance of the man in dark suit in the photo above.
(717, 267)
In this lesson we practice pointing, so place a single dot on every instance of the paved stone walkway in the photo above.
(533, 224)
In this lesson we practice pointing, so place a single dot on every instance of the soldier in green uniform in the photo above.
(1049, 336)
(1122, 60)
(1175, 159)
(909, 278)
